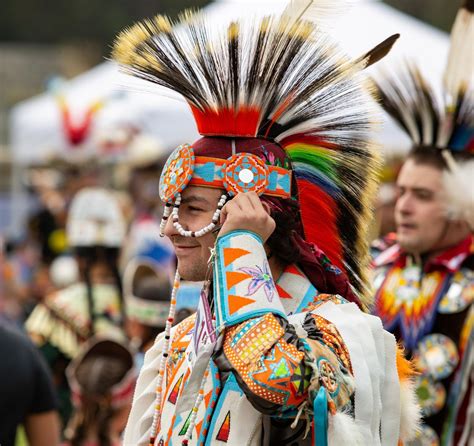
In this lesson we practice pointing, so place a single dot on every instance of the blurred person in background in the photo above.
(144, 160)
(21, 266)
(146, 289)
(425, 282)
(27, 395)
(47, 224)
(27, 260)
(65, 319)
(102, 380)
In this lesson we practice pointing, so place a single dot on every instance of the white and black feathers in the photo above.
(269, 75)
(278, 78)
(431, 121)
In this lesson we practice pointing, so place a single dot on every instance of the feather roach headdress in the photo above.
(446, 124)
(270, 84)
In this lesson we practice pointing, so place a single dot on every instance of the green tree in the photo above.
(60, 21)
(439, 13)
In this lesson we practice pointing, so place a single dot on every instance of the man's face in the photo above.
(198, 205)
(420, 211)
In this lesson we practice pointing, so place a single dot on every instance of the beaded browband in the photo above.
(242, 172)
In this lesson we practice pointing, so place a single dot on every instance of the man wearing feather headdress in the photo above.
(425, 281)
(280, 351)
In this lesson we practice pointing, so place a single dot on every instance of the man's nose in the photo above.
(404, 204)
(170, 230)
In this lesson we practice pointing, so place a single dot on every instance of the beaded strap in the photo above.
(203, 231)
(164, 219)
(197, 403)
(164, 360)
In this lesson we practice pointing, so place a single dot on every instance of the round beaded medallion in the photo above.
(431, 395)
(245, 172)
(177, 172)
(436, 355)
(426, 436)
(408, 289)
(328, 375)
(460, 293)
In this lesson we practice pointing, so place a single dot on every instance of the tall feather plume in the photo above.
(281, 79)
(459, 73)
(458, 129)
(318, 11)
(410, 100)
(379, 51)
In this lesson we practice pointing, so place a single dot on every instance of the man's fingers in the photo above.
(246, 202)
(229, 208)
(245, 206)
(266, 207)
(255, 200)
(246, 212)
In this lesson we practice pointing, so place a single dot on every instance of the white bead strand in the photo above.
(203, 231)
(164, 219)
(197, 403)
(163, 361)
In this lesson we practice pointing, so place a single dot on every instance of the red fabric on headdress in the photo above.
(218, 147)
(228, 121)
(323, 275)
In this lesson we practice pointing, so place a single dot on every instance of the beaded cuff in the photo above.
(243, 284)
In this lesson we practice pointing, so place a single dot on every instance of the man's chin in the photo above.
(408, 244)
(191, 275)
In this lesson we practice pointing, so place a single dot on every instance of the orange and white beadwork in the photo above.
(242, 172)
(245, 172)
(177, 173)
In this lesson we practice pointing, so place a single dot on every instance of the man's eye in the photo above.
(194, 209)
(424, 195)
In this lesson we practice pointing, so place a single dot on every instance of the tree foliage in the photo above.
(62, 21)
(439, 13)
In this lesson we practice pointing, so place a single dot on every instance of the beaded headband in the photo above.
(146, 311)
(149, 312)
(242, 172)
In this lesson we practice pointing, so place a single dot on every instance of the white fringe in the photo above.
(410, 420)
(343, 430)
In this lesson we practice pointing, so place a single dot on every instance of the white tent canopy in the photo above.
(36, 126)
(36, 131)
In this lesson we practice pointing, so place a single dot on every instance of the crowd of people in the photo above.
(91, 270)
(237, 291)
